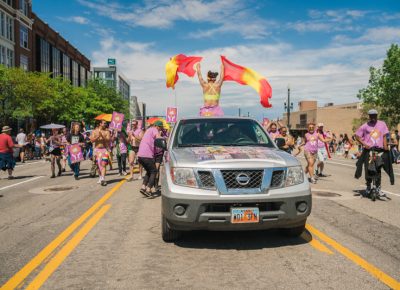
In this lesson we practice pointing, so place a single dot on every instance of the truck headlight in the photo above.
(183, 177)
(295, 175)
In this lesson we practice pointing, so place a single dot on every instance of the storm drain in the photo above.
(59, 188)
(52, 189)
(326, 194)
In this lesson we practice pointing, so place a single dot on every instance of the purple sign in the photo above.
(116, 121)
(75, 153)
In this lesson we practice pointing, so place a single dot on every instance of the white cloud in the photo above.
(75, 19)
(383, 34)
(223, 16)
(329, 74)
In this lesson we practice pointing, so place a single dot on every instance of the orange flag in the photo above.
(180, 63)
(247, 76)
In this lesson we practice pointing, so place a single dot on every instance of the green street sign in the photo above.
(111, 61)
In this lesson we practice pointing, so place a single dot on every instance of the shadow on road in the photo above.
(241, 240)
(23, 176)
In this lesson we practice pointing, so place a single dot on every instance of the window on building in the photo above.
(9, 2)
(10, 58)
(109, 75)
(303, 120)
(75, 73)
(23, 36)
(24, 6)
(2, 55)
(44, 56)
(24, 62)
(2, 24)
(83, 76)
(56, 62)
(66, 67)
(9, 28)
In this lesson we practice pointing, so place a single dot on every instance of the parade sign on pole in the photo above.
(265, 122)
(75, 153)
(172, 114)
(116, 121)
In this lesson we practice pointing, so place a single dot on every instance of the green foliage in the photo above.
(383, 90)
(37, 95)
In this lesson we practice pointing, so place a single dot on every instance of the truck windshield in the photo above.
(225, 132)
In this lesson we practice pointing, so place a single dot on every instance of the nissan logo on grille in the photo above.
(243, 179)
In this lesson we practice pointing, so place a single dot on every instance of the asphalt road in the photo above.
(66, 234)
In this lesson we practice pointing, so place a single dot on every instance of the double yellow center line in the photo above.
(22, 274)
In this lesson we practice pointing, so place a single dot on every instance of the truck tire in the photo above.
(294, 232)
(168, 235)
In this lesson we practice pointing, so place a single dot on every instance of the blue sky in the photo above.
(322, 49)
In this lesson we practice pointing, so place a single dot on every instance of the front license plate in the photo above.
(245, 215)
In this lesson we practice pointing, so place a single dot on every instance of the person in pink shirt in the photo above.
(146, 158)
(373, 134)
(273, 131)
(310, 144)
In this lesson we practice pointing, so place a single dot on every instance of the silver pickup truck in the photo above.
(227, 174)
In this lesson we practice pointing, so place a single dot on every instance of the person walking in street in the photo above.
(323, 154)
(21, 141)
(146, 155)
(373, 135)
(64, 150)
(122, 151)
(134, 138)
(101, 139)
(75, 138)
(310, 144)
(7, 161)
(55, 152)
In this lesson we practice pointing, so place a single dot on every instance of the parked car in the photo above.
(227, 174)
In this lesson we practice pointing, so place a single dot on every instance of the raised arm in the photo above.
(201, 80)
(222, 75)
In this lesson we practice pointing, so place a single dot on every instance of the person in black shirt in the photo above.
(75, 138)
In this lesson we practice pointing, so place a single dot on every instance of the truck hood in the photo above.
(231, 157)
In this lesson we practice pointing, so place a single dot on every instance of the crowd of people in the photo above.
(319, 144)
(133, 146)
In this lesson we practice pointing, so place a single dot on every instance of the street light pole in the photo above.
(288, 106)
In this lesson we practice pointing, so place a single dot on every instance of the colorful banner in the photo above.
(172, 114)
(180, 63)
(247, 76)
(116, 121)
(75, 153)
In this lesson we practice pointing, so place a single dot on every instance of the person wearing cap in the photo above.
(7, 161)
(322, 155)
(146, 157)
(373, 134)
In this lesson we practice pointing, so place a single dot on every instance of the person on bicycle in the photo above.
(372, 135)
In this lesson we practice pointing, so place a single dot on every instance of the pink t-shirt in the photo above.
(311, 142)
(320, 143)
(146, 148)
(373, 135)
(122, 147)
(274, 135)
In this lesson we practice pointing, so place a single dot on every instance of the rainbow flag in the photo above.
(247, 76)
(180, 63)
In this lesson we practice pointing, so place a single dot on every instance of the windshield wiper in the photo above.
(192, 145)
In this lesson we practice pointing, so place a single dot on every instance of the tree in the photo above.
(383, 90)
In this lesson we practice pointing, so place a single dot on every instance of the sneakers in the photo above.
(322, 175)
(10, 177)
(312, 180)
(380, 192)
(103, 183)
(368, 190)
(76, 177)
(145, 193)
(53, 176)
(124, 173)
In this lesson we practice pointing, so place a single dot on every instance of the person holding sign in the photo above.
(101, 138)
(75, 155)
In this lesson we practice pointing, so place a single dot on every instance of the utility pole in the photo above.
(288, 107)
(239, 112)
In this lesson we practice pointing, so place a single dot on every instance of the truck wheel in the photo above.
(168, 235)
(294, 232)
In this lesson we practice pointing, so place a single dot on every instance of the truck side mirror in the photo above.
(280, 142)
(161, 143)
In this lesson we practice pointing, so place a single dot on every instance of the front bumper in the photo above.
(209, 210)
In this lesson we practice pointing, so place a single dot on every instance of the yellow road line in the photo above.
(315, 243)
(56, 261)
(374, 271)
(39, 258)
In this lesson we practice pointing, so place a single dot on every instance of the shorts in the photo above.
(134, 149)
(56, 152)
(322, 155)
(7, 161)
(158, 158)
(309, 155)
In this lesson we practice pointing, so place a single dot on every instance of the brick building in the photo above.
(336, 118)
(28, 42)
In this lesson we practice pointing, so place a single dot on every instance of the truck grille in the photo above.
(231, 178)
(278, 176)
(206, 179)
